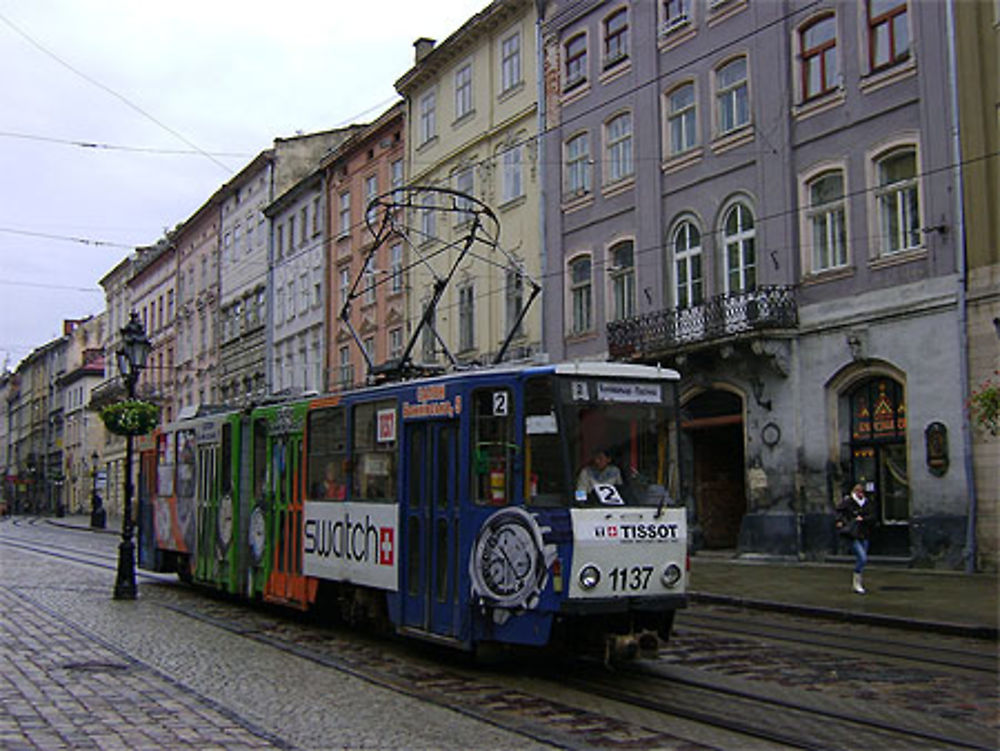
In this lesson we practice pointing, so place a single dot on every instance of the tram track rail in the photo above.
(899, 647)
(582, 705)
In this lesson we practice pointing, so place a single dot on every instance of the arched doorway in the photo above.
(714, 426)
(878, 456)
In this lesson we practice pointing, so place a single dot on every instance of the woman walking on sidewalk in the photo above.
(857, 518)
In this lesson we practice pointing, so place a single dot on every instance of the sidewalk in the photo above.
(940, 601)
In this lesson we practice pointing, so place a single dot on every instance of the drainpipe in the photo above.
(540, 89)
(960, 262)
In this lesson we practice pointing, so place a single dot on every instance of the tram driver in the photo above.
(600, 470)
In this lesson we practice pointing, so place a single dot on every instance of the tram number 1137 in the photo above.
(633, 579)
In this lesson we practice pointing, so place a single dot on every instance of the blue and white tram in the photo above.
(450, 507)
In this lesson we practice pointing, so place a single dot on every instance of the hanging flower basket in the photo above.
(131, 417)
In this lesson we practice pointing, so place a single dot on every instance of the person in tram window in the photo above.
(333, 489)
(857, 519)
(599, 471)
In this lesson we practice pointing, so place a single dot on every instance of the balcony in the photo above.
(729, 316)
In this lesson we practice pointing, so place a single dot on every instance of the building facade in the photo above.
(977, 49)
(760, 195)
(367, 165)
(153, 285)
(197, 243)
(83, 430)
(297, 269)
(472, 125)
(244, 253)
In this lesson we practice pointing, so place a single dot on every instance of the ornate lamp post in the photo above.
(98, 516)
(131, 360)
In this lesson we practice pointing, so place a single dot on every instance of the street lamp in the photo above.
(131, 356)
(98, 516)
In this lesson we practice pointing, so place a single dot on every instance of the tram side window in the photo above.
(164, 466)
(376, 451)
(259, 458)
(544, 471)
(493, 447)
(326, 433)
(185, 464)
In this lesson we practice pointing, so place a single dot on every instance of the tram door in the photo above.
(287, 584)
(430, 511)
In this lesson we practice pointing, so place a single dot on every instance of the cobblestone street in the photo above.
(80, 670)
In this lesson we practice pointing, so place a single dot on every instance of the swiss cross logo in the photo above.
(385, 546)
(613, 531)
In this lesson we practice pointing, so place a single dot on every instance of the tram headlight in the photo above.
(671, 575)
(590, 576)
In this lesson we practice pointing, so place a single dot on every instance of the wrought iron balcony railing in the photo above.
(729, 315)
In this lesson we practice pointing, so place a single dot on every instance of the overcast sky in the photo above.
(119, 118)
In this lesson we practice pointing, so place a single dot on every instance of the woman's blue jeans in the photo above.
(860, 555)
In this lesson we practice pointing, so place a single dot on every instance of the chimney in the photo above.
(422, 48)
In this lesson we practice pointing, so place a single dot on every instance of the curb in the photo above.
(873, 619)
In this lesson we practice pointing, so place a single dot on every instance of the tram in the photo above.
(448, 508)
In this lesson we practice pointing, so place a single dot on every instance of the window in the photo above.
(304, 225)
(396, 267)
(618, 143)
(493, 448)
(512, 176)
(327, 461)
(578, 164)
(514, 297)
(675, 13)
(738, 236)
(464, 183)
(395, 342)
(346, 371)
(819, 57)
(369, 345)
(681, 119)
(345, 285)
(825, 216)
(291, 235)
(428, 217)
(510, 62)
(616, 37)
(581, 295)
(316, 217)
(428, 116)
(466, 317)
(888, 34)
(576, 61)
(345, 214)
(898, 201)
(731, 95)
(687, 265)
(397, 174)
(622, 275)
(371, 192)
(463, 91)
(291, 298)
(376, 451)
(304, 292)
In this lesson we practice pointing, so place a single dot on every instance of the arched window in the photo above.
(738, 236)
(686, 243)
(826, 218)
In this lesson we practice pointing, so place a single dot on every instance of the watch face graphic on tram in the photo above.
(508, 565)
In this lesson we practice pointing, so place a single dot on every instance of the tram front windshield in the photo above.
(592, 441)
